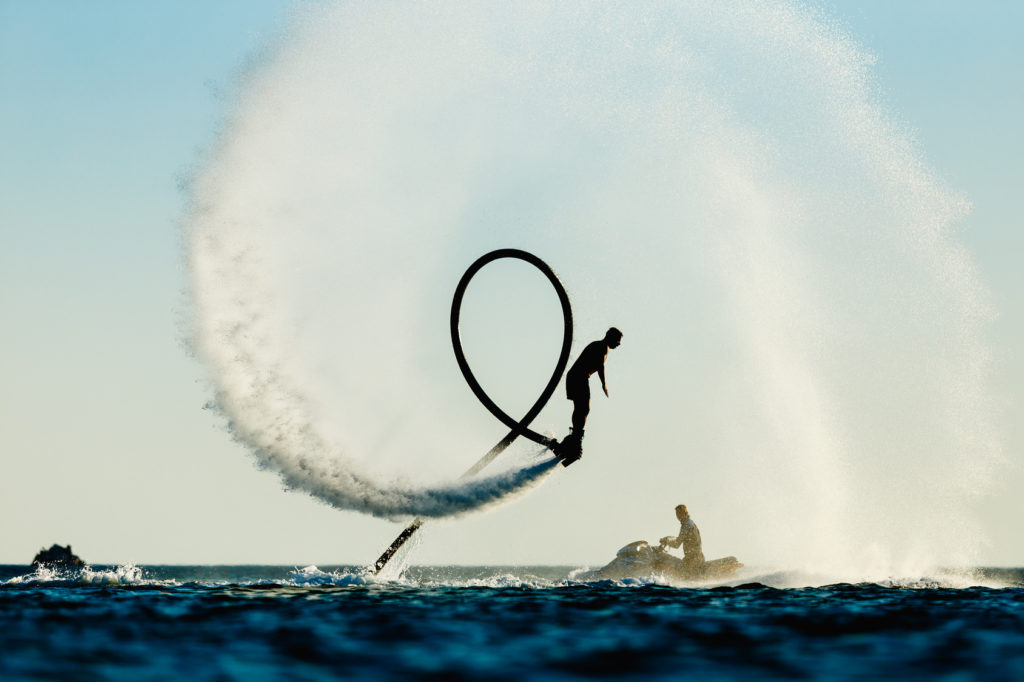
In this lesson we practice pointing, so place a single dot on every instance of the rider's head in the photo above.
(613, 337)
(682, 512)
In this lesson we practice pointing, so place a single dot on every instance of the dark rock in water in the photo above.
(57, 556)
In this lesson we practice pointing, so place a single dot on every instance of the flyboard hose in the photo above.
(517, 428)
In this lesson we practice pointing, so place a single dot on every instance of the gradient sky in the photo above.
(104, 110)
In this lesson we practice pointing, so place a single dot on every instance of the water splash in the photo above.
(762, 228)
(123, 574)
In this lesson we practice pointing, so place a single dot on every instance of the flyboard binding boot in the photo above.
(571, 447)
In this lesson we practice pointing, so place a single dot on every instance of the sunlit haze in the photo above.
(232, 237)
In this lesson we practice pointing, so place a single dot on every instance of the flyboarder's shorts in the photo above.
(577, 387)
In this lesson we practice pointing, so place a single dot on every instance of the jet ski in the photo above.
(642, 560)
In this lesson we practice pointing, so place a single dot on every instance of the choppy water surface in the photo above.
(259, 622)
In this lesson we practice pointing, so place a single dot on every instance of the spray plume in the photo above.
(770, 234)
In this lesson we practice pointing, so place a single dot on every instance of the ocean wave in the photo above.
(457, 577)
(123, 574)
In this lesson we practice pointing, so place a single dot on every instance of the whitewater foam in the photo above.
(123, 574)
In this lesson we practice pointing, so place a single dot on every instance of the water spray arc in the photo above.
(720, 175)
(516, 428)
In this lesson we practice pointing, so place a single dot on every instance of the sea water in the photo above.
(498, 623)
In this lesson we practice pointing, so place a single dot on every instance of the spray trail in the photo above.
(273, 418)
(717, 178)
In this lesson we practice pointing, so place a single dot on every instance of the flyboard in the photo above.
(568, 450)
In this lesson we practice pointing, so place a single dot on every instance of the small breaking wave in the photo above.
(124, 574)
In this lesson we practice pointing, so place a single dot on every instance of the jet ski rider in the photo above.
(689, 538)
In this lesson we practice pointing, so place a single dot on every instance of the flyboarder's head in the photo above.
(613, 337)
(682, 513)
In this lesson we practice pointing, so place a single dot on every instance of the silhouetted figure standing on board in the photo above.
(577, 389)
(689, 538)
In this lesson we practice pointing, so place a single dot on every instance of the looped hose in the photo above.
(517, 428)
(520, 427)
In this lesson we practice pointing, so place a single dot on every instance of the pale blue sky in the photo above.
(105, 108)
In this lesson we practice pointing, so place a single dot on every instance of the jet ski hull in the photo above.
(641, 560)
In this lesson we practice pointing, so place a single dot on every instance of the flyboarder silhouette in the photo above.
(577, 389)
